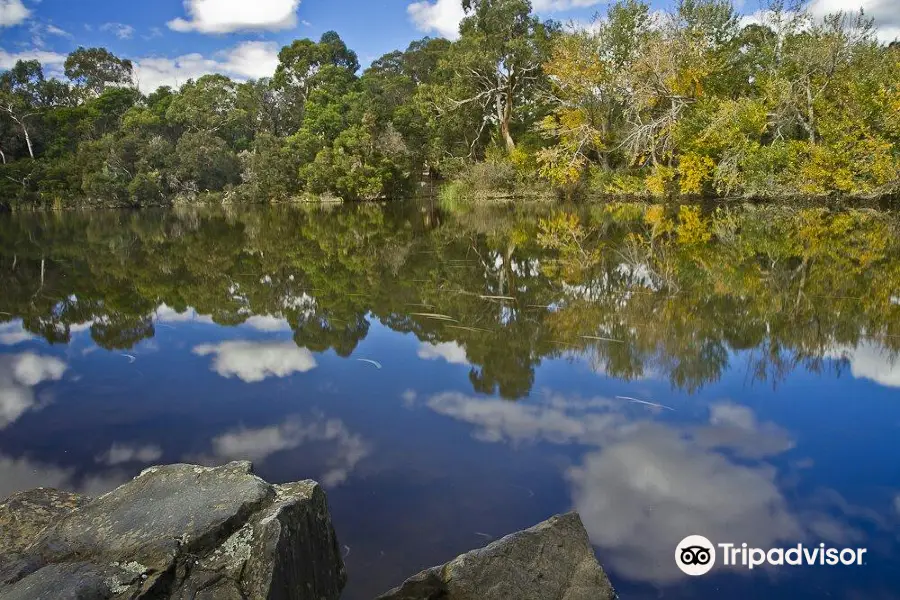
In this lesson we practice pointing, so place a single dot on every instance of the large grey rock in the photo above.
(551, 561)
(185, 531)
(24, 516)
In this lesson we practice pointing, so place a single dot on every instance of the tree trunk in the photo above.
(2, 156)
(28, 142)
(811, 115)
(504, 115)
(25, 131)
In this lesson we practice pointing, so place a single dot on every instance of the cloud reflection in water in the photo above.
(19, 374)
(253, 362)
(344, 448)
(644, 484)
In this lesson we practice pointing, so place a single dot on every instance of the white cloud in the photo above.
(167, 314)
(735, 428)
(870, 361)
(268, 323)
(440, 16)
(409, 398)
(542, 6)
(39, 30)
(13, 333)
(80, 327)
(644, 485)
(120, 30)
(248, 60)
(52, 60)
(443, 16)
(226, 16)
(253, 362)
(123, 453)
(258, 444)
(19, 374)
(54, 30)
(20, 474)
(499, 420)
(12, 12)
(885, 12)
(652, 487)
(451, 352)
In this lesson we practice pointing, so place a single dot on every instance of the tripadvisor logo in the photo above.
(696, 555)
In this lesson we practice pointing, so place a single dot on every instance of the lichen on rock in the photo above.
(177, 531)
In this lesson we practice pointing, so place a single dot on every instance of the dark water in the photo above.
(451, 379)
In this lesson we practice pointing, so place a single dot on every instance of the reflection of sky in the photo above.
(451, 352)
(252, 362)
(19, 375)
(12, 333)
(420, 468)
(869, 360)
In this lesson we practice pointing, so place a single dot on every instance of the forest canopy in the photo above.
(694, 101)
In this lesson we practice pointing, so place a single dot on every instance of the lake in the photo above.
(451, 378)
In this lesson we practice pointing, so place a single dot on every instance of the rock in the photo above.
(24, 516)
(74, 581)
(551, 560)
(185, 531)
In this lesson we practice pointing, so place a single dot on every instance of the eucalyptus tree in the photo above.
(20, 96)
(93, 70)
(495, 70)
(298, 73)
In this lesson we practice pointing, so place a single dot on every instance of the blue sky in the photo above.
(174, 40)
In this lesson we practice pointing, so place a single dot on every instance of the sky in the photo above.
(171, 41)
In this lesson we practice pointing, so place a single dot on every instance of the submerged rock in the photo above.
(551, 560)
(178, 531)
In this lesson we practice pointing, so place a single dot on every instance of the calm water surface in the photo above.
(451, 379)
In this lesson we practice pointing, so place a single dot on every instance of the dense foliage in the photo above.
(688, 102)
(641, 291)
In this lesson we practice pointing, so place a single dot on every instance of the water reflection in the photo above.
(19, 375)
(450, 352)
(872, 361)
(17, 474)
(12, 333)
(664, 370)
(645, 484)
(119, 454)
(643, 291)
(253, 362)
(344, 449)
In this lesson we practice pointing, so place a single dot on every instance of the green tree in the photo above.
(495, 67)
(94, 70)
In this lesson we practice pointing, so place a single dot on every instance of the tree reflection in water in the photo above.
(639, 290)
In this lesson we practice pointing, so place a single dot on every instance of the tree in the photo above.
(495, 67)
(20, 96)
(390, 90)
(95, 69)
(297, 75)
(210, 105)
(205, 163)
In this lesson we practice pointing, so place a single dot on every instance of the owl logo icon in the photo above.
(695, 555)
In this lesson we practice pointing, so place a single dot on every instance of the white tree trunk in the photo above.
(27, 139)
(21, 123)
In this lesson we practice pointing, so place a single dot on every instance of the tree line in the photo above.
(691, 101)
